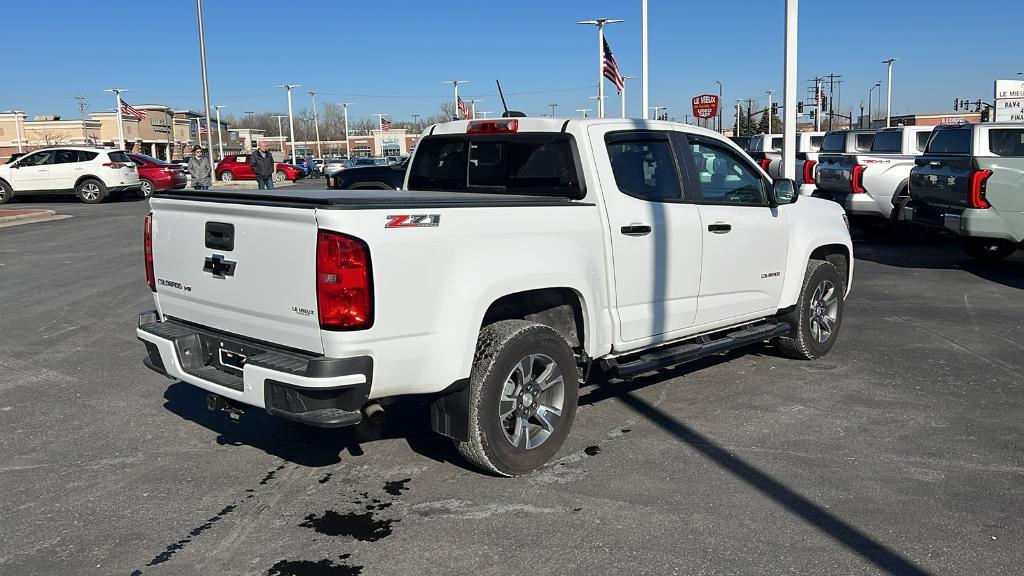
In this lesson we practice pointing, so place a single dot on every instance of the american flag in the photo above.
(610, 68)
(127, 108)
(385, 124)
(463, 111)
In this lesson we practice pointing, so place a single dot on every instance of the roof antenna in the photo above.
(507, 113)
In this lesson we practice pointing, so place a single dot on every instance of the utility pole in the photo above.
(345, 106)
(553, 106)
(888, 91)
(291, 119)
(206, 85)
(739, 107)
(316, 125)
(643, 57)
(750, 115)
(82, 105)
(623, 95)
(280, 132)
(455, 85)
(600, 24)
(768, 110)
(831, 101)
(817, 103)
(220, 139)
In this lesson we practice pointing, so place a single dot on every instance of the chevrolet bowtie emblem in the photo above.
(219, 267)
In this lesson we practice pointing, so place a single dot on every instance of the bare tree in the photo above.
(50, 138)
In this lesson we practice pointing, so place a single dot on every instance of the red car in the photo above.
(157, 175)
(236, 167)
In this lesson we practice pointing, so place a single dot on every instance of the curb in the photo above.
(29, 214)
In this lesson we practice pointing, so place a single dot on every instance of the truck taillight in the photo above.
(344, 284)
(496, 126)
(857, 180)
(976, 189)
(147, 240)
(765, 163)
(809, 171)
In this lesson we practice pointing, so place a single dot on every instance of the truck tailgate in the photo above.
(835, 172)
(941, 182)
(243, 269)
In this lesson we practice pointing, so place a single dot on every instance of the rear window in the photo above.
(833, 142)
(950, 141)
(922, 140)
(1006, 142)
(887, 141)
(84, 156)
(118, 156)
(862, 142)
(540, 164)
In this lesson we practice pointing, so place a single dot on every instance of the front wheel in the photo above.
(818, 314)
(988, 249)
(91, 191)
(280, 176)
(523, 391)
(226, 176)
(6, 192)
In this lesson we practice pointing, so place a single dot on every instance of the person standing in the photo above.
(200, 168)
(263, 166)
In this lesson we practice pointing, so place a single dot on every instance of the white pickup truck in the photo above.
(523, 253)
(872, 182)
(807, 146)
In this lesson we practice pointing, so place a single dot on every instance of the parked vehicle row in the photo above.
(237, 167)
(90, 173)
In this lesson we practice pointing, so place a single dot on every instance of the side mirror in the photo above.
(784, 191)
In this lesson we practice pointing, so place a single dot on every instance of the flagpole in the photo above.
(600, 22)
(624, 78)
(456, 83)
(120, 126)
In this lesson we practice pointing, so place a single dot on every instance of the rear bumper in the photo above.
(125, 187)
(862, 204)
(314, 390)
(970, 222)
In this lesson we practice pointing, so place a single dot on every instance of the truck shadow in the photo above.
(938, 252)
(858, 542)
(407, 419)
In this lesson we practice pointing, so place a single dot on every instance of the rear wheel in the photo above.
(146, 189)
(6, 192)
(280, 176)
(988, 249)
(818, 314)
(91, 191)
(523, 391)
(226, 176)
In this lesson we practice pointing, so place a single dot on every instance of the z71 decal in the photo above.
(413, 221)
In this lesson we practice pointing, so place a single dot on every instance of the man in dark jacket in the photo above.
(263, 166)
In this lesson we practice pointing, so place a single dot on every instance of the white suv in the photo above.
(90, 173)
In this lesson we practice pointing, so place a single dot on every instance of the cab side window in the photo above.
(38, 159)
(724, 177)
(644, 166)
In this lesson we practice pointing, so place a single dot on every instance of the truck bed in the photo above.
(367, 199)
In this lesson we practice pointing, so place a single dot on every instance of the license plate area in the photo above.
(231, 361)
(226, 355)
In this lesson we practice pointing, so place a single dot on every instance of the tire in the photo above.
(227, 176)
(91, 191)
(988, 249)
(280, 176)
(6, 192)
(821, 299)
(505, 351)
(146, 189)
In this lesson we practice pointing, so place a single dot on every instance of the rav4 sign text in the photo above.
(705, 106)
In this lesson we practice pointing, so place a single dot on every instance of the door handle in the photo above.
(636, 229)
(720, 228)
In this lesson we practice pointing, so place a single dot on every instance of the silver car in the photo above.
(334, 165)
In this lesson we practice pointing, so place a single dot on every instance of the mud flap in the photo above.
(449, 413)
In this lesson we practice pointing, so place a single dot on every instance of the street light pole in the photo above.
(553, 106)
(17, 125)
(291, 119)
(117, 108)
(643, 56)
(583, 112)
(220, 139)
(719, 82)
(888, 92)
(345, 106)
(455, 84)
(877, 85)
(316, 126)
(768, 111)
(600, 23)
(280, 131)
(658, 109)
(206, 85)
(623, 95)
(472, 108)
(789, 94)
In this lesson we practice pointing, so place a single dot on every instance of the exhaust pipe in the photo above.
(374, 413)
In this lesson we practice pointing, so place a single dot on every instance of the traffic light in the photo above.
(775, 108)
(956, 103)
(800, 107)
(813, 114)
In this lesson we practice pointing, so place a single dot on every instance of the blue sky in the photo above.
(391, 57)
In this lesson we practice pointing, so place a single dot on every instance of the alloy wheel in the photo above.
(824, 309)
(531, 401)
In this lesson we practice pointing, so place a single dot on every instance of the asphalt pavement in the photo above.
(900, 452)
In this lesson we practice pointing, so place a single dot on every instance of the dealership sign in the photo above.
(705, 106)
(1009, 101)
